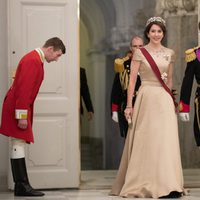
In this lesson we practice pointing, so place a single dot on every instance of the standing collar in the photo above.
(41, 54)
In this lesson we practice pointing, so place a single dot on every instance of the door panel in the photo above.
(54, 159)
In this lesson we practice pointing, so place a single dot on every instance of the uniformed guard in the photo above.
(17, 110)
(192, 71)
(120, 86)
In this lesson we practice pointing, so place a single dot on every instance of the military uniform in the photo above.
(119, 91)
(192, 71)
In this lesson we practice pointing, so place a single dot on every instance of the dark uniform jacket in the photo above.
(85, 94)
(192, 72)
(119, 91)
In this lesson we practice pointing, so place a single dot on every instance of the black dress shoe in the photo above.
(172, 195)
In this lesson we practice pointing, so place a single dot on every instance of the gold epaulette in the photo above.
(119, 64)
(190, 54)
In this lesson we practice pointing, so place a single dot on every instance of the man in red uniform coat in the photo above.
(17, 112)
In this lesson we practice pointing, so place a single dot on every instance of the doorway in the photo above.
(95, 56)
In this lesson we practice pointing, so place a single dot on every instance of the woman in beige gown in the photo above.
(151, 165)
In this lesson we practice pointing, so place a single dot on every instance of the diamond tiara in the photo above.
(155, 19)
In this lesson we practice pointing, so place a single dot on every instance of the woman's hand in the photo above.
(128, 114)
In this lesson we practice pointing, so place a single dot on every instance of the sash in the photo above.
(157, 73)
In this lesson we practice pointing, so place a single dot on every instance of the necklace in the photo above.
(158, 52)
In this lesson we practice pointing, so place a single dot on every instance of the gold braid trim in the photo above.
(190, 54)
(119, 64)
(197, 111)
(124, 79)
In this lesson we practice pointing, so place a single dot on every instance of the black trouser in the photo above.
(123, 124)
(196, 125)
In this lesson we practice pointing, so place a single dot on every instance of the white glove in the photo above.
(185, 117)
(115, 116)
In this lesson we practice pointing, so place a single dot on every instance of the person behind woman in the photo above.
(151, 165)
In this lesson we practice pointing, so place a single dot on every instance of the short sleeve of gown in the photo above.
(173, 56)
(137, 55)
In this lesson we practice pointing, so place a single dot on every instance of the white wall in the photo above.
(3, 88)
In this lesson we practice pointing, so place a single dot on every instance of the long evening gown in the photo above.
(151, 165)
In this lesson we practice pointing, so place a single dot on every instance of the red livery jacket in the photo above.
(21, 96)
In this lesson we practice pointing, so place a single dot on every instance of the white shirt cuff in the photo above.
(21, 114)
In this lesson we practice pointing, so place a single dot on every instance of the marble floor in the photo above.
(95, 185)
